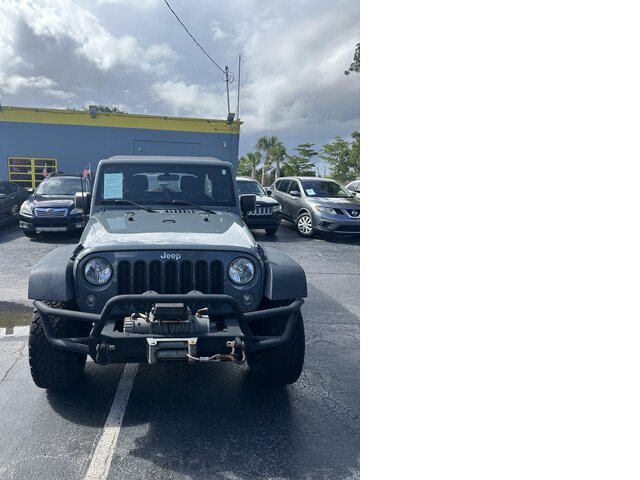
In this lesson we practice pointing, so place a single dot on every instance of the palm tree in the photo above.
(264, 144)
(273, 150)
(253, 159)
(279, 153)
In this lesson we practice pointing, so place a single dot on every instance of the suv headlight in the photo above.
(241, 270)
(97, 271)
(26, 209)
(276, 208)
(322, 209)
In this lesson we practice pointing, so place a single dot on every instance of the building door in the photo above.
(28, 172)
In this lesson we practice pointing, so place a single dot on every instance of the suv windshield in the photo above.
(149, 184)
(247, 187)
(318, 188)
(61, 186)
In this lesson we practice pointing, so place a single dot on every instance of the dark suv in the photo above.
(317, 205)
(267, 212)
(51, 207)
(166, 270)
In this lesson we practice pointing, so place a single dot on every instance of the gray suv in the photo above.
(317, 205)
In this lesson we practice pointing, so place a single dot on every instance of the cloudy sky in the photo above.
(134, 54)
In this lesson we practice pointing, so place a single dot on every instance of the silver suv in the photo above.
(317, 205)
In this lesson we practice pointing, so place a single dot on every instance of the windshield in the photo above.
(317, 188)
(60, 186)
(246, 187)
(147, 184)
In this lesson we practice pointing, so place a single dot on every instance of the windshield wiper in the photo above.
(121, 201)
(184, 202)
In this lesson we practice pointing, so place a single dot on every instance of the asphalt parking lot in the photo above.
(201, 421)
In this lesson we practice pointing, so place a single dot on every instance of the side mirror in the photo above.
(269, 192)
(83, 201)
(247, 203)
(29, 190)
(294, 193)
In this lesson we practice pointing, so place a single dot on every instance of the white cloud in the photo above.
(190, 99)
(217, 32)
(15, 83)
(140, 4)
(65, 20)
(61, 94)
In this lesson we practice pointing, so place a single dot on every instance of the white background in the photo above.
(501, 248)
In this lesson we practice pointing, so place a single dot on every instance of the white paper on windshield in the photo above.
(112, 185)
(311, 191)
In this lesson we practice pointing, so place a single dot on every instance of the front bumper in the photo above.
(255, 221)
(106, 345)
(336, 224)
(45, 224)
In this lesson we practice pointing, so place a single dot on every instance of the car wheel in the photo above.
(29, 234)
(304, 224)
(271, 231)
(52, 368)
(280, 365)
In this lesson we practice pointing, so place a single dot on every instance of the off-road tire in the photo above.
(271, 231)
(53, 368)
(280, 365)
(304, 225)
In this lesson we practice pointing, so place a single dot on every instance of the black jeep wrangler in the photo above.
(166, 270)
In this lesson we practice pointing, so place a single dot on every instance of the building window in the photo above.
(28, 172)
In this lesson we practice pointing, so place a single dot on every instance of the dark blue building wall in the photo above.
(75, 146)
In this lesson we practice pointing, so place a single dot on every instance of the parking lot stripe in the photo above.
(103, 454)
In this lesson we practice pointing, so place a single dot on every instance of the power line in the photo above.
(226, 73)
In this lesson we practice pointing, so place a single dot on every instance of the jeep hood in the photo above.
(120, 230)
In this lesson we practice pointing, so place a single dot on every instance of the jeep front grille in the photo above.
(261, 211)
(170, 276)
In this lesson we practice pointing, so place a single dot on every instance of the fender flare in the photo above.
(284, 277)
(52, 277)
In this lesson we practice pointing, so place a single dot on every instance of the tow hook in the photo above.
(237, 354)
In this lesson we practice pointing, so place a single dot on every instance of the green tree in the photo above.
(301, 164)
(355, 65)
(105, 108)
(248, 164)
(355, 150)
(279, 154)
(343, 164)
(244, 166)
(274, 151)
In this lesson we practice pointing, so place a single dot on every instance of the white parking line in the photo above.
(103, 454)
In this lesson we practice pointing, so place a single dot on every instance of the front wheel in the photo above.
(280, 365)
(271, 231)
(304, 225)
(29, 234)
(52, 368)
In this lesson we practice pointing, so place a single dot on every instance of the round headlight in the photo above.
(241, 270)
(97, 271)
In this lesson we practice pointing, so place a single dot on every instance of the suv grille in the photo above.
(50, 212)
(170, 276)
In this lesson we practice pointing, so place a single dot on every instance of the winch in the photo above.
(170, 319)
